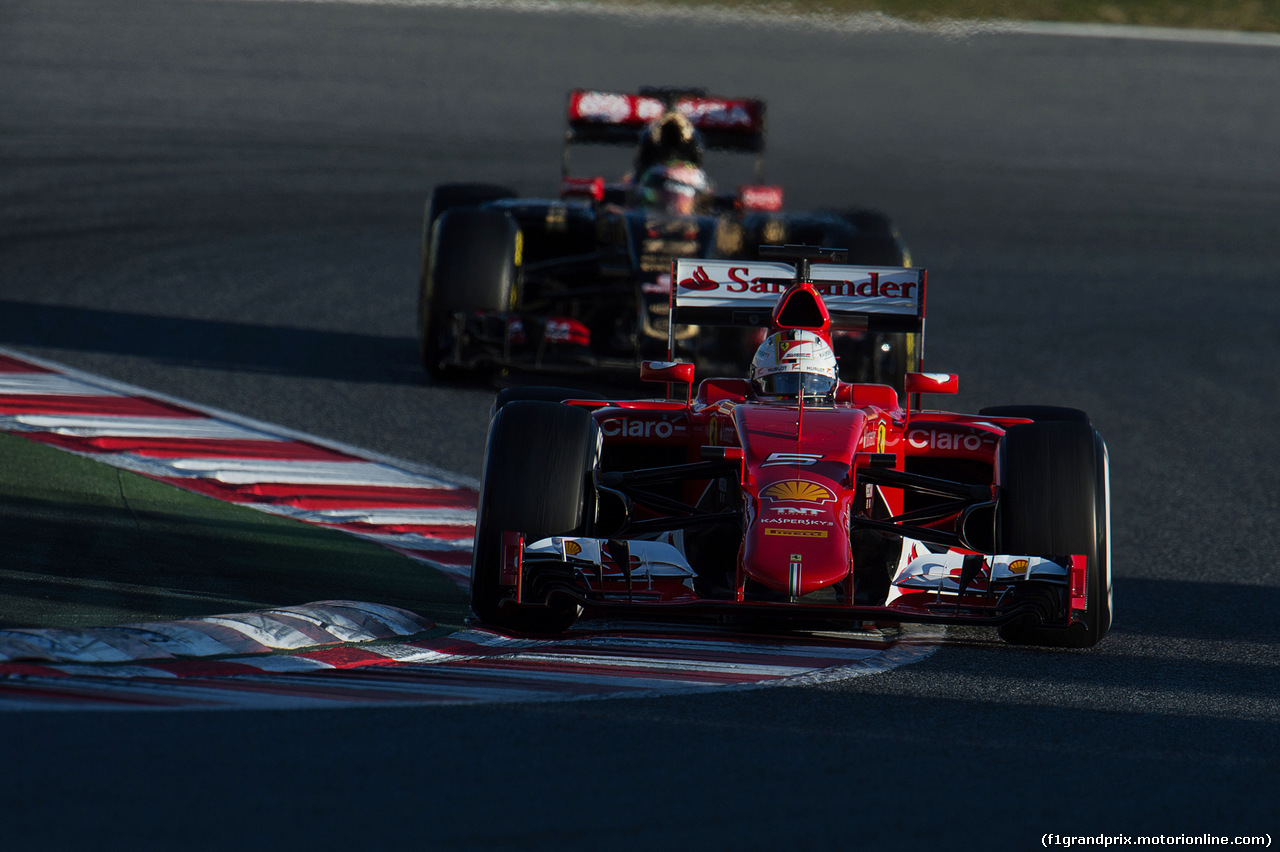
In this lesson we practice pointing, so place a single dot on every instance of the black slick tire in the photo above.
(537, 481)
(1038, 413)
(445, 197)
(474, 266)
(1054, 501)
(448, 196)
(884, 357)
(875, 240)
(539, 393)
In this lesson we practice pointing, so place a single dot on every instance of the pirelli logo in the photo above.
(795, 533)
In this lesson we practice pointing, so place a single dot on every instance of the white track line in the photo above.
(831, 22)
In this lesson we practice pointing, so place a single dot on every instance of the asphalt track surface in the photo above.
(222, 201)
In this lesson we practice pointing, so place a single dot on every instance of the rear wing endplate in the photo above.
(744, 293)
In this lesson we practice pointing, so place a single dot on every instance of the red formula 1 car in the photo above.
(790, 494)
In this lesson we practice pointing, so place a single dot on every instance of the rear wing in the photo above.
(615, 118)
(744, 293)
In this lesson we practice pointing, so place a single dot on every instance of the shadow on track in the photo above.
(1180, 609)
(218, 344)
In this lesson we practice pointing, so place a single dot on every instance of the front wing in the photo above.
(653, 578)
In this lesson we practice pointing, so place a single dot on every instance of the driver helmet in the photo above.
(677, 189)
(671, 136)
(794, 362)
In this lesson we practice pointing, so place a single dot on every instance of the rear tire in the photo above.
(1038, 413)
(539, 461)
(885, 357)
(537, 393)
(474, 266)
(875, 240)
(1055, 501)
(882, 358)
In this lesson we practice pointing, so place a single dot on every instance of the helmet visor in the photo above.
(793, 384)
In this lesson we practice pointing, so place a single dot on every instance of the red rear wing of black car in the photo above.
(616, 118)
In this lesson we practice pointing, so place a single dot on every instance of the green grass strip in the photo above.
(1245, 15)
(83, 544)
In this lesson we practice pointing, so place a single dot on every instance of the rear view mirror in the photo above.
(932, 383)
(668, 371)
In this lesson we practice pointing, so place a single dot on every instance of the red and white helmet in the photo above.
(793, 362)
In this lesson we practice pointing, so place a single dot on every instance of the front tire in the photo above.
(539, 462)
(474, 266)
(449, 196)
(1055, 501)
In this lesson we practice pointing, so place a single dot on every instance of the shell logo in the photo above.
(1019, 566)
(798, 491)
(572, 548)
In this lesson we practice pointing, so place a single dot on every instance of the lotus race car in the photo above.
(579, 283)
(840, 503)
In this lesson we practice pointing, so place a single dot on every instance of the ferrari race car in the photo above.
(792, 495)
(578, 283)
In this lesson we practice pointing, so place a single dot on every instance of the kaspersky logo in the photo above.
(798, 491)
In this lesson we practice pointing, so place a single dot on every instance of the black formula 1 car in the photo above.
(732, 501)
(579, 283)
